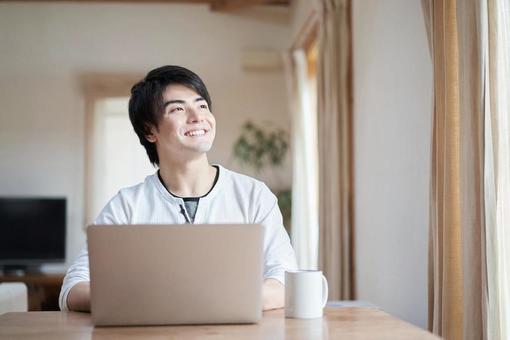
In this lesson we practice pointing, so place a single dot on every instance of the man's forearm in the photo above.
(79, 297)
(273, 294)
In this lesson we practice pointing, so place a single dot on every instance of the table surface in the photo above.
(345, 322)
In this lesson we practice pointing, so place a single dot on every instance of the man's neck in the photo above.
(193, 178)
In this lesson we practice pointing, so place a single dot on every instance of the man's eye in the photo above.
(203, 106)
(176, 109)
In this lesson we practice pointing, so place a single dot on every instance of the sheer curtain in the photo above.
(305, 229)
(496, 37)
(470, 189)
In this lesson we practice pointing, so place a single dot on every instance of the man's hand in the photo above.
(79, 297)
(273, 294)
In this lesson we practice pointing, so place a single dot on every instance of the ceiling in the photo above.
(214, 5)
(228, 5)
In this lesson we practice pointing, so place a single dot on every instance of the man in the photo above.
(170, 111)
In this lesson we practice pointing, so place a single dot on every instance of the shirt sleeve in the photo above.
(279, 255)
(113, 213)
(77, 272)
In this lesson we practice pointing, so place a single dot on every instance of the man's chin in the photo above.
(201, 148)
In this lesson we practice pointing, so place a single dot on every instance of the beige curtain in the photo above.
(335, 147)
(456, 206)
(469, 181)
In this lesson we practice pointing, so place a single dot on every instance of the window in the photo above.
(116, 159)
(305, 207)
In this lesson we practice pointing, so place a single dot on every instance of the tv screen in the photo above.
(32, 230)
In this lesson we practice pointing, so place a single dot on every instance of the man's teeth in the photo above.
(195, 133)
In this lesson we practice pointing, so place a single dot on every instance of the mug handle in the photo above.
(325, 291)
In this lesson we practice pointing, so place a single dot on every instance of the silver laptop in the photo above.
(175, 274)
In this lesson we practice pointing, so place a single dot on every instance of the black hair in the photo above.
(146, 106)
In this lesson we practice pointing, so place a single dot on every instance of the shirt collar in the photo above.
(178, 200)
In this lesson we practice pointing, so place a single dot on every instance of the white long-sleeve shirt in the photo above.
(235, 198)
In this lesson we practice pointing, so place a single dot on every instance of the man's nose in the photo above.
(194, 115)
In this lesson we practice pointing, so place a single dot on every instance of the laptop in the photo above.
(175, 274)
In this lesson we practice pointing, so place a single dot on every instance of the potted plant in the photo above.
(265, 147)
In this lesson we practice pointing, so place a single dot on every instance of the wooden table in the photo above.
(338, 323)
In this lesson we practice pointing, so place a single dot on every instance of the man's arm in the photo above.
(273, 294)
(75, 292)
(79, 297)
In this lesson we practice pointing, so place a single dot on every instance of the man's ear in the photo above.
(150, 134)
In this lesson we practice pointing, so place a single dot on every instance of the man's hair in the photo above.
(146, 107)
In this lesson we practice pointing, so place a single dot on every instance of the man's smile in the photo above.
(196, 132)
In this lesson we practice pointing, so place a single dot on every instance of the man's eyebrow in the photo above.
(180, 101)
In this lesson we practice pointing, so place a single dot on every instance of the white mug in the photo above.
(306, 294)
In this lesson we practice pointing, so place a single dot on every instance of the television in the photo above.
(32, 232)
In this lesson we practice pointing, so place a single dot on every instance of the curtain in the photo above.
(469, 179)
(335, 147)
(456, 208)
(305, 229)
(496, 38)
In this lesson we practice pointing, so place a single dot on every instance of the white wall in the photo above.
(392, 136)
(45, 47)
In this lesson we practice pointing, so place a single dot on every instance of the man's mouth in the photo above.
(194, 133)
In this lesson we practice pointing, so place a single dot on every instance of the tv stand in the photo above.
(20, 270)
(43, 289)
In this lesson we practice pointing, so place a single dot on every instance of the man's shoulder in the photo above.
(142, 188)
(121, 208)
(244, 182)
(240, 178)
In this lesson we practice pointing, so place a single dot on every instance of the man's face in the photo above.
(187, 128)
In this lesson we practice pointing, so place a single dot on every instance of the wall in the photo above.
(301, 12)
(392, 136)
(46, 47)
